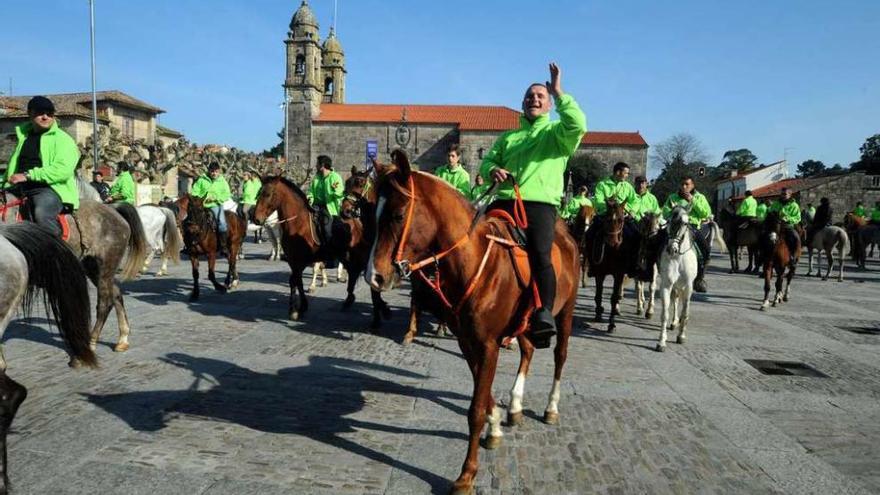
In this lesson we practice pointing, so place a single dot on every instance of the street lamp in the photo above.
(94, 90)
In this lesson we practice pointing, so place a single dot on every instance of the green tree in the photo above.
(810, 168)
(741, 160)
(870, 160)
(680, 156)
(278, 149)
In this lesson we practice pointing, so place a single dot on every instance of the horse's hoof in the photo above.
(681, 339)
(493, 442)
(408, 339)
(551, 418)
(74, 363)
(93, 346)
(221, 289)
(348, 302)
(462, 489)
(649, 315)
(294, 315)
(310, 289)
(611, 328)
(121, 347)
(785, 299)
(660, 348)
(514, 418)
(193, 297)
(763, 307)
(615, 312)
(598, 319)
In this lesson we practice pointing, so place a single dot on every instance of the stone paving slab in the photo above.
(226, 396)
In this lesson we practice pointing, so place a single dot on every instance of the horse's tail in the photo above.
(842, 242)
(717, 237)
(173, 241)
(137, 241)
(55, 269)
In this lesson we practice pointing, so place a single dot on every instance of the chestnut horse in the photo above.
(777, 258)
(301, 245)
(862, 235)
(579, 226)
(200, 238)
(424, 223)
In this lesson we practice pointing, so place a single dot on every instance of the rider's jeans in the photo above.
(221, 216)
(43, 206)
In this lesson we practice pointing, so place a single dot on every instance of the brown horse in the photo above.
(200, 238)
(302, 247)
(739, 232)
(424, 223)
(777, 258)
(100, 235)
(610, 254)
(578, 228)
(862, 235)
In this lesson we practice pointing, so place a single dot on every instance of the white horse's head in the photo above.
(679, 232)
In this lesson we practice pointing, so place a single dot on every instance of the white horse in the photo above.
(677, 269)
(273, 229)
(160, 226)
(827, 239)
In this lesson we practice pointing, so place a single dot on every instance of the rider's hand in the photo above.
(18, 178)
(500, 175)
(554, 85)
(687, 197)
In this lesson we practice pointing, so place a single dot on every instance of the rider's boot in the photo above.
(700, 281)
(543, 328)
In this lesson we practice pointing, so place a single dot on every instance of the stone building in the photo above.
(320, 122)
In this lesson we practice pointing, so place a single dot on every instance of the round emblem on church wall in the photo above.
(402, 135)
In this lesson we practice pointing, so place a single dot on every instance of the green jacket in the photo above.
(478, 191)
(623, 192)
(60, 156)
(646, 203)
(250, 190)
(327, 191)
(811, 211)
(748, 208)
(699, 207)
(875, 214)
(458, 178)
(789, 212)
(123, 188)
(859, 211)
(537, 153)
(214, 192)
(761, 211)
(574, 206)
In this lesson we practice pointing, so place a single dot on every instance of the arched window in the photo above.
(328, 86)
(300, 67)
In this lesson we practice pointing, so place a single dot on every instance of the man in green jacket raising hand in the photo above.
(536, 155)
(454, 173)
(214, 189)
(123, 188)
(699, 211)
(41, 169)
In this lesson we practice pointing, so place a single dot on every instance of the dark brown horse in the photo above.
(578, 227)
(738, 233)
(610, 254)
(424, 224)
(200, 238)
(777, 257)
(862, 235)
(301, 245)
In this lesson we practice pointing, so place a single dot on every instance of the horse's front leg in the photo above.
(316, 268)
(297, 295)
(810, 263)
(600, 282)
(514, 412)
(788, 277)
(12, 394)
(768, 274)
(780, 275)
(829, 259)
(652, 292)
(232, 273)
(640, 297)
(212, 276)
(194, 261)
(349, 289)
(684, 316)
(616, 292)
(486, 361)
(413, 328)
(665, 301)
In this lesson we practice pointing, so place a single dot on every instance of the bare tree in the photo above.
(680, 148)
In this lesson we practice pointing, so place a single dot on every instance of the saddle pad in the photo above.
(64, 220)
(520, 259)
(229, 205)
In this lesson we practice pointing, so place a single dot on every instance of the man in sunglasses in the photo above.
(41, 169)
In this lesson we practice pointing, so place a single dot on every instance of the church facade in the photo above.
(320, 122)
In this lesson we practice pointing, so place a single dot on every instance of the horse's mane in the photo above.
(299, 192)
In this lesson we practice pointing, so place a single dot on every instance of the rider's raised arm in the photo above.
(572, 124)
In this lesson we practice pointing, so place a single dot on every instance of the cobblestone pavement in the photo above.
(225, 396)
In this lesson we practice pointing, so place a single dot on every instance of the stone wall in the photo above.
(473, 144)
(346, 143)
(637, 158)
(843, 193)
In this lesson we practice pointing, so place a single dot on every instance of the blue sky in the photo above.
(798, 74)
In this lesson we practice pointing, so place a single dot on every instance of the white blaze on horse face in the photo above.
(370, 275)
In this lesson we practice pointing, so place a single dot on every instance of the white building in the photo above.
(736, 185)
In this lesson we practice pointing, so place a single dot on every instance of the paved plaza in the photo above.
(225, 396)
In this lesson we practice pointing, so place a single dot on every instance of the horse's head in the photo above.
(268, 201)
(414, 214)
(198, 218)
(649, 225)
(616, 217)
(678, 230)
(356, 184)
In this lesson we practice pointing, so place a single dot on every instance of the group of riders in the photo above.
(42, 171)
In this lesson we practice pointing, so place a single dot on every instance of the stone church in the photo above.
(320, 122)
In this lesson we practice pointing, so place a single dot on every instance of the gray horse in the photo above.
(828, 239)
(99, 236)
(32, 258)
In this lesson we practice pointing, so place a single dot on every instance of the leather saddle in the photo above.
(507, 233)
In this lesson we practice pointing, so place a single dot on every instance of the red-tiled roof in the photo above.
(76, 103)
(603, 138)
(775, 189)
(466, 117)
